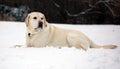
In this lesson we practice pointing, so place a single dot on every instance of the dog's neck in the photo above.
(32, 32)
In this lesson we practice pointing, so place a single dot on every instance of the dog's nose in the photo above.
(40, 24)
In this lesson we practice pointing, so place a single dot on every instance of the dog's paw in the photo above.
(16, 46)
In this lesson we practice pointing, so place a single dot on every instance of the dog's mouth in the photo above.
(40, 26)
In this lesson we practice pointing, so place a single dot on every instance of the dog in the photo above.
(41, 34)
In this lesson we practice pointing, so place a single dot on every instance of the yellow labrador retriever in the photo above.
(41, 34)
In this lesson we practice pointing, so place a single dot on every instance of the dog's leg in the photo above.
(17, 46)
(74, 40)
(81, 46)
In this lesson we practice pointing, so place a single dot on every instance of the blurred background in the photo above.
(63, 11)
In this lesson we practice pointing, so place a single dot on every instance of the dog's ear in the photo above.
(45, 21)
(27, 20)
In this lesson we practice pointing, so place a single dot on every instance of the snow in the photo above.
(13, 33)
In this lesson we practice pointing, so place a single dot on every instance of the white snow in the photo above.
(13, 33)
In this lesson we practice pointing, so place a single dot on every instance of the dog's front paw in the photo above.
(16, 46)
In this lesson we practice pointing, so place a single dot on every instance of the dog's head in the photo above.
(36, 21)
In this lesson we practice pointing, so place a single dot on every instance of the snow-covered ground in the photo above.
(13, 33)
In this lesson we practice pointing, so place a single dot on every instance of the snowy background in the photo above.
(13, 33)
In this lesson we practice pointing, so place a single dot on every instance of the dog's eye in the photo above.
(42, 18)
(34, 17)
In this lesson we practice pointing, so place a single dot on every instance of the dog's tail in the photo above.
(93, 45)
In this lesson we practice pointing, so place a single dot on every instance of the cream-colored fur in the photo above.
(49, 35)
